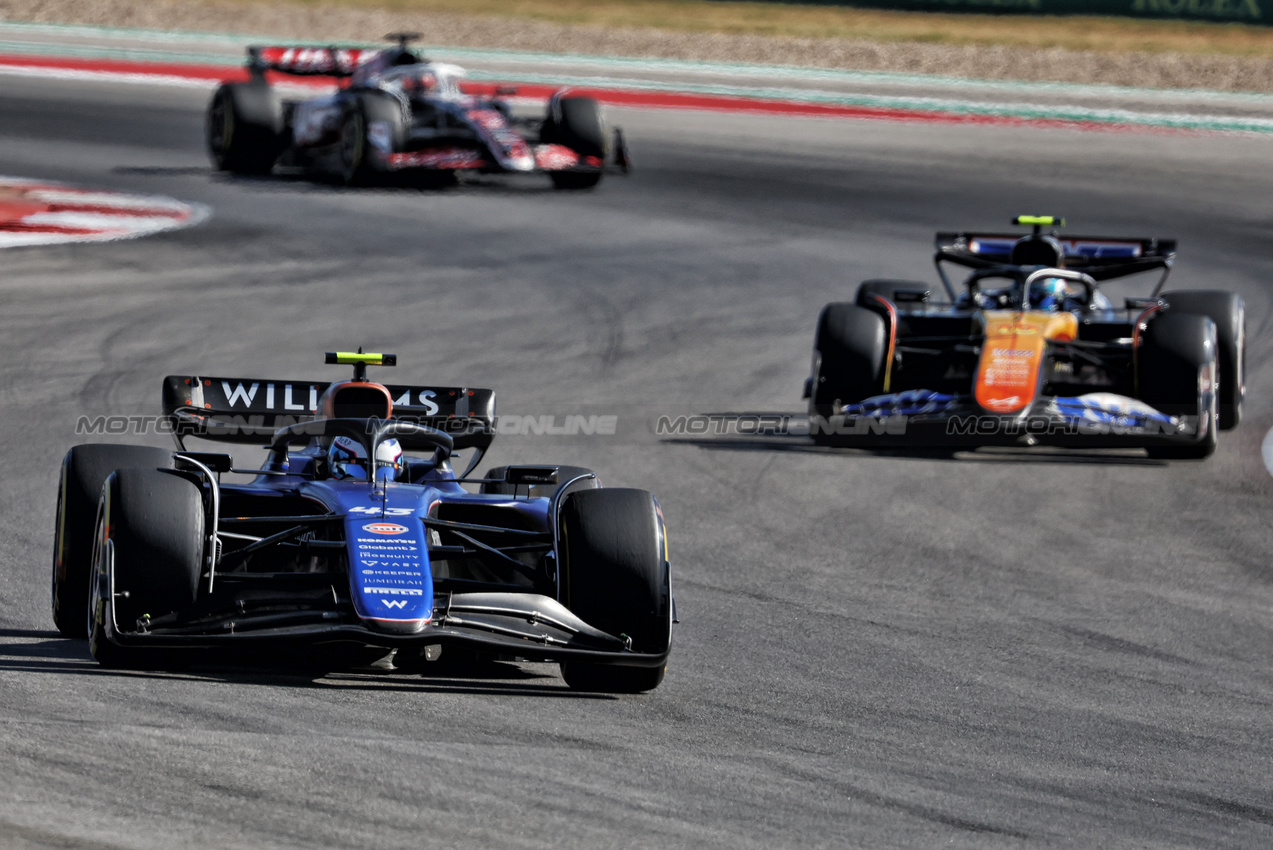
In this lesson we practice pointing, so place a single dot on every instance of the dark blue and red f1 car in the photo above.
(356, 531)
(394, 112)
(1031, 349)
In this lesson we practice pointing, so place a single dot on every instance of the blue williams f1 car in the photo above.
(356, 531)
(1030, 350)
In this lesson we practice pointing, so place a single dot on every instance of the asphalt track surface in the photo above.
(1003, 649)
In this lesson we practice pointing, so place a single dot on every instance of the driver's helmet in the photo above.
(347, 458)
(422, 82)
(1049, 293)
(413, 81)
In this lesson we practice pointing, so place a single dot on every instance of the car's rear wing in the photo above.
(309, 61)
(250, 410)
(1102, 257)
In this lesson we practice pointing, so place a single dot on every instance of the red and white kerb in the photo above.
(36, 212)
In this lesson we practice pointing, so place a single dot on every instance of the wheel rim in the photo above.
(1211, 413)
(94, 584)
(351, 146)
(1241, 361)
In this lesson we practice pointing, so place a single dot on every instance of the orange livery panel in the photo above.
(1012, 356)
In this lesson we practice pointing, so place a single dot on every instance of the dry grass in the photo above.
(784, 20)
(1163, 54)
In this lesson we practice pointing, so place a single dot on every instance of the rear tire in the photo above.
(579, 124)
(244, 128)
(1176, 368)
(84, 470)
(154, 520)
(1228, 311)
(616, 578)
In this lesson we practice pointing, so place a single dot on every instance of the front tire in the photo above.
(616, 577)
(150, 532)
(1176, 367)
(849, 353)
(84, 470)
(579, 124)
(1228, 311)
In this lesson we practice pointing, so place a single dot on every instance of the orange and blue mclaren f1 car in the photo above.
(1031, 349)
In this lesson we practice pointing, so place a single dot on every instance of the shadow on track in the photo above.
(302, 181)
(161, 170)
(34, 651)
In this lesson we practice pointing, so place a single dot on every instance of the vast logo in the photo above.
(385, 528)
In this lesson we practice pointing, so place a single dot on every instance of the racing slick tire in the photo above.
(615, 576)
(84, 470)
(1176, 366)
(887, 289)
(1228, 311)
(565, 474)
(154, 522)
(579, 124)
(244, 128)
(356, 149)
(849, 351)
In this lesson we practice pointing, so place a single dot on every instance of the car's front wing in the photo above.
(927, 418)
(524, 625)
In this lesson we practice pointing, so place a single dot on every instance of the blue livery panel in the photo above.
(389, 576)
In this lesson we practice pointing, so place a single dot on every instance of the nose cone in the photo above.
(390, 579)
